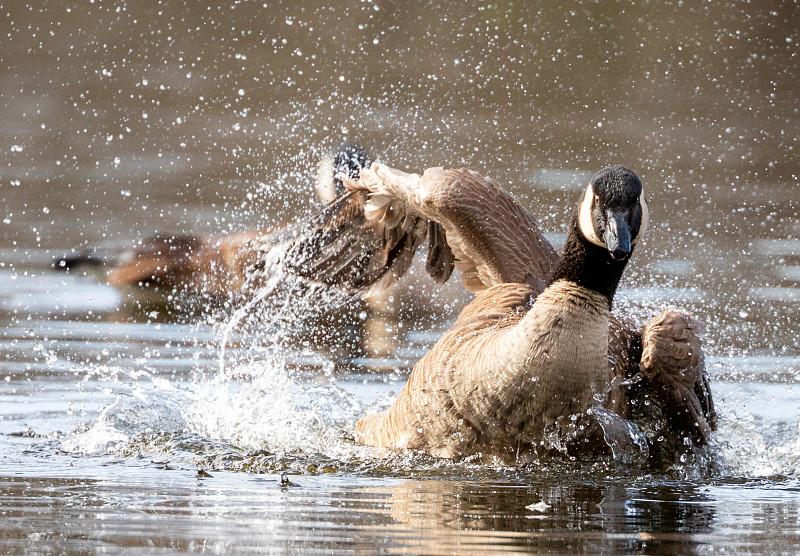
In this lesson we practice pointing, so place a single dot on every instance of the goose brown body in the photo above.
(494, 384)
(538, 343)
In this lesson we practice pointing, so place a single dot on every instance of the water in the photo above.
(126, 428)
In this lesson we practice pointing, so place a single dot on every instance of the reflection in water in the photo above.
(152, 510)
(462, 516)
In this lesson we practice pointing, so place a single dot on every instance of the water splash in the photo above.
(141, 413)
(627, 442)
(260, 405)
(239, 315)
(741, 447)
(258, 399)
(266, 407)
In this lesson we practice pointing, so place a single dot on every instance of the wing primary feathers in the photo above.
(441, 261)
(340, 247)
(470, 222)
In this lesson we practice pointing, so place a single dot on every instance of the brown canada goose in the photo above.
(538, 344)
(210, 267)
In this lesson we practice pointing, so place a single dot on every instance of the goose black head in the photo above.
(346, 162)
(613, 212)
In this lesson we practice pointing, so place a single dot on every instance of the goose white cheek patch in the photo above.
(585, 218)
(325, 188)
(645, 219)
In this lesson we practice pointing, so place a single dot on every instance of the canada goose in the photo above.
(538, 344)
(210, 267)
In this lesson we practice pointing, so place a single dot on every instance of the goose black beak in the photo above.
(618, 235)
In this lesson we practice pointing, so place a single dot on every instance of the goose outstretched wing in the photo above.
(368, 237)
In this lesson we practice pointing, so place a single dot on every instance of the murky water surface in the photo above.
(124, 427)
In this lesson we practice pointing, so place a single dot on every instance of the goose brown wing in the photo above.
(672, 357)
(470, 223)
(340, 247)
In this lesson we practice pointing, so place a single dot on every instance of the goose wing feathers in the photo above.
(471, 223)
(339, 246)
(672, 358)
(367, 238)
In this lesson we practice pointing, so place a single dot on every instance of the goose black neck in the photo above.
(589, 265)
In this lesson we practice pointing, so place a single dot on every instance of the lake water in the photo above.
(130, 429)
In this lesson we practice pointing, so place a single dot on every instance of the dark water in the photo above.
(127, 428)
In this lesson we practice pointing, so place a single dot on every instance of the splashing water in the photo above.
(743, 447)
(269, 408)
(261, 294)
(259, 405)
(257, 400)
